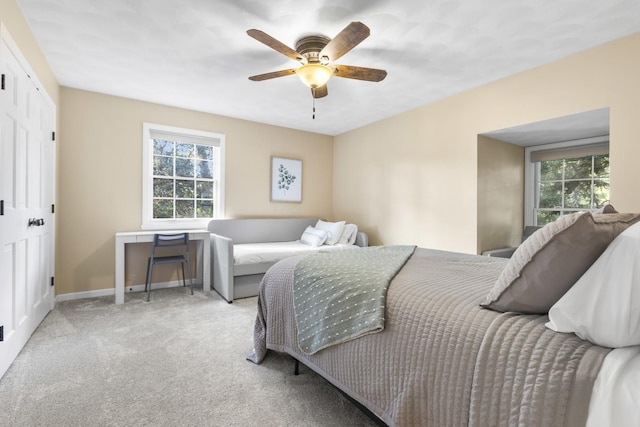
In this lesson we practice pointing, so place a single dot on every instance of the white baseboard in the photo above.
(112, 291)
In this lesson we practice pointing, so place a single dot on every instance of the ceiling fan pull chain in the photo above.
(314, 107)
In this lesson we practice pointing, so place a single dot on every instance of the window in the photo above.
(568, 178)
(182, 177)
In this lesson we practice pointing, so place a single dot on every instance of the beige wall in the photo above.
(100, 178)
(500, 194)
(413, 178)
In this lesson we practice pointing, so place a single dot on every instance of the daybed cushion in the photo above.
(253, 253)
(552, 259)
(604, 305)
(260, 230)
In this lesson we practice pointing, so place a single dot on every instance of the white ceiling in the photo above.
(196, 54)
(587, 124)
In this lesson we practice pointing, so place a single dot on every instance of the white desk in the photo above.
(203, 259)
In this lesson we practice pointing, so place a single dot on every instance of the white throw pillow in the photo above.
(604, 304)
(333, 228)
(349, 235)
(313, 237)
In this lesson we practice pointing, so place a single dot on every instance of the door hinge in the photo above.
(1, 207)
(53, 136)
(1, 333)
(53, 208)
(53, 281)
(2, 83)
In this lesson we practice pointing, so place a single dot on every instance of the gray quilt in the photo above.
(441, 359)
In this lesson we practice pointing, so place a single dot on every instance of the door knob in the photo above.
(36, 222)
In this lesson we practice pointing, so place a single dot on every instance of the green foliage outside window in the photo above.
(571, 185)
(183, 180)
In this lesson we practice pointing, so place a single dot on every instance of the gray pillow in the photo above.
(608, 209)
(552, 259)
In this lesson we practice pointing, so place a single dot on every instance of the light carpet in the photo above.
(178, 360)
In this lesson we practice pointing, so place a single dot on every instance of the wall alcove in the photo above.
(501, 170)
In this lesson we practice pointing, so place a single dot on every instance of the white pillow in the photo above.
(603, 306)
(349, 235)
(313, 237)
(333, 228)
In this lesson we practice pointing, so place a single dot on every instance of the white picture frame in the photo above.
(286, 180)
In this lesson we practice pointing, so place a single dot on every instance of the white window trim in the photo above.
(148, 223)
(530, 171)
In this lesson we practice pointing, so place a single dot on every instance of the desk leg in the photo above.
(206, 266)
(119, 271)
(199, 257)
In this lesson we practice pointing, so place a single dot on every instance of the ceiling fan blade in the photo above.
(276, 45)
(320, 92)
(272, 75)
(359, 73)
(346, 40)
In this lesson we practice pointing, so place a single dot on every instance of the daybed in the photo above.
(466, 339)
(242, 250)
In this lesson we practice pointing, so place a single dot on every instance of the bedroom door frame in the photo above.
(27, 194)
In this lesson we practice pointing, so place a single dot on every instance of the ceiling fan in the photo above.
(317, 55)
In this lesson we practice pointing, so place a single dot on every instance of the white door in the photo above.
(27, 176)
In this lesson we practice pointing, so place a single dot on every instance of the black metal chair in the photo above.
(166, 240)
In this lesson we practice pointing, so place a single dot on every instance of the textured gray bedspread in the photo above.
(441, 359)
(340, 295)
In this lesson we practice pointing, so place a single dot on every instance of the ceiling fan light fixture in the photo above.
(314, 75)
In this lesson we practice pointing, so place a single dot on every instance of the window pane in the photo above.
(577, 194)
(205, 152)
(577, 168)
(184, 189)
(161, 147)
(205, 208)
(204, 189)
(551, 170)
(185, 150)
(162, 166)
(601, 167)
(571, 185)
(550, 195)
(184, 209)
(545, 217)
(162, 208)
(181, 180)
(600, 192)
(162, 187)
(184, 167)
(204, 169)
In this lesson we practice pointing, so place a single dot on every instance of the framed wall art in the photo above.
(286, 180)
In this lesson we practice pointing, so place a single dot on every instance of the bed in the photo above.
(450, 355)
(242, 250)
